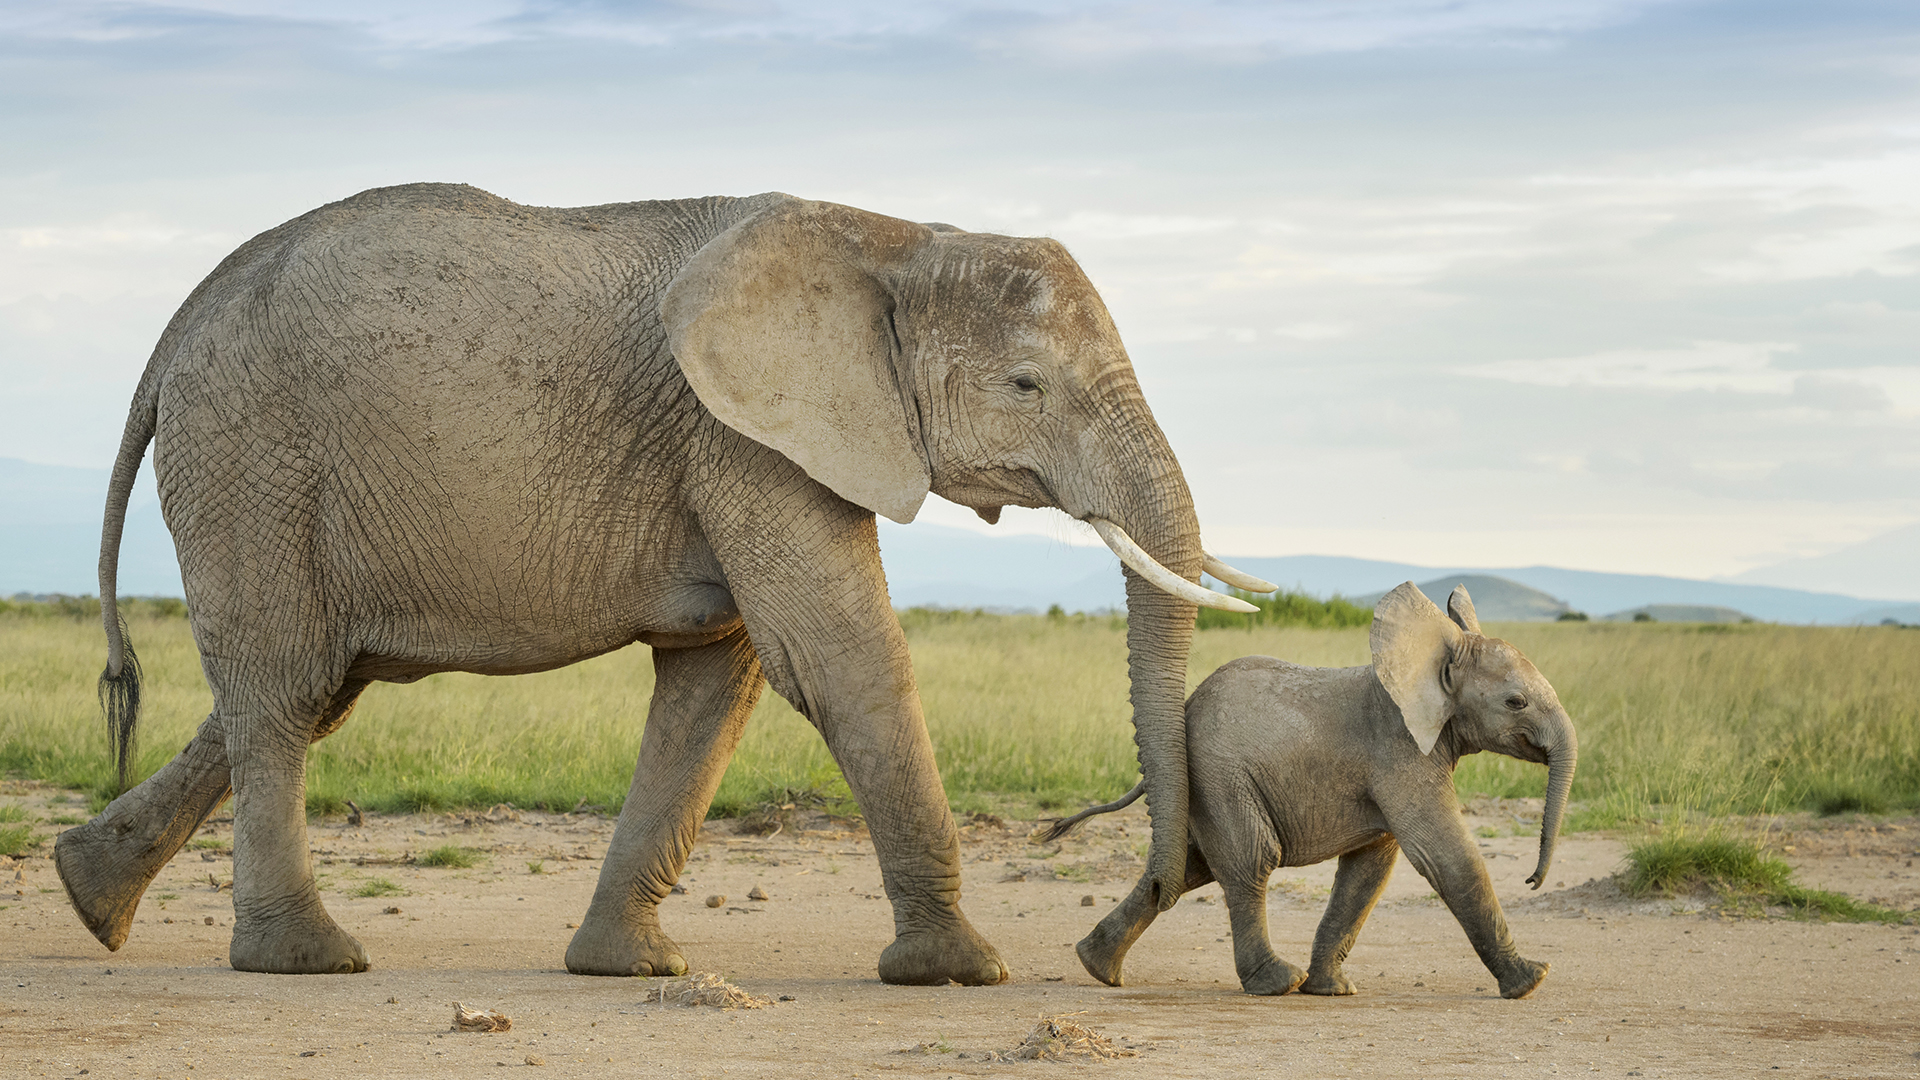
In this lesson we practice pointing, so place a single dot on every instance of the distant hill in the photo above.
(1887, 565)
(1681, 613)
(1495, 599)
(50, 542)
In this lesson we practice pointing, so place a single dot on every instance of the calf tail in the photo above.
(1063, 826)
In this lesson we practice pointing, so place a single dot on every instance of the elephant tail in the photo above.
(120, 682)
(1062, 826)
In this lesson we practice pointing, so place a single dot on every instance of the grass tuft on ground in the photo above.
(377, 887)
(1741, 873)
(451, 856)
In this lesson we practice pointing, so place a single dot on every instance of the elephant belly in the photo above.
(1315, 833)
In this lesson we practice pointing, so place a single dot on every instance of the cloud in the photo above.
(1705, 365)
(1083, 27)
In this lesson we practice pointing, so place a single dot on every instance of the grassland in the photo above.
(1030, 712)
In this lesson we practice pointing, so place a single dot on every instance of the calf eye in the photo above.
(1026, 384)
(1517, 702)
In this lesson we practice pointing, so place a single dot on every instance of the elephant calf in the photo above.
(1290, 765)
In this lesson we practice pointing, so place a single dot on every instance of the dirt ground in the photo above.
(1638, 988)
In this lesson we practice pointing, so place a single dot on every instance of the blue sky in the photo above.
(1627, 286)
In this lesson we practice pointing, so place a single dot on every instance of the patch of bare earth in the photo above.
(1638, 988)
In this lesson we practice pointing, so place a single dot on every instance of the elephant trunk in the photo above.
(1563, 752)
(1157, 510)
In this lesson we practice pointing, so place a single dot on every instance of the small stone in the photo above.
(393, 909)
(716, 899)
(536, 1059)
(209, 920)
(168, 919)
(1087, 900)
(758, 893)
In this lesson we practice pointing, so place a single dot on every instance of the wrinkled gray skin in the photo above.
(425, 429)
(1295, 765)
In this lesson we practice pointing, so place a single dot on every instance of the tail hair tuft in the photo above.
(120, 701)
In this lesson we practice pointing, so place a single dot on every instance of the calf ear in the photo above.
(1412, 643)
(1460, 609)
(784, 330)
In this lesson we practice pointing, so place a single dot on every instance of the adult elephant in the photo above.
(427, 429)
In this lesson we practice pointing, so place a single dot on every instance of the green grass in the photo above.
(1030, 713)
(1742, 874)
(377, 887)
(450, 856)
(11, 812)
(1286, 608)
(15, 839)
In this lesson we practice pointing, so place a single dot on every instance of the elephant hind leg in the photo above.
(1104, 950)
(107, 864)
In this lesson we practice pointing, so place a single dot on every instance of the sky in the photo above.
(1624, 285)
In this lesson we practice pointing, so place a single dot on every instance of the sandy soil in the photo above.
(1638, 988)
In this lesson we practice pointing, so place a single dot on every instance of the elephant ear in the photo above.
(784, 330)
(1460, 609)
(1412, 643)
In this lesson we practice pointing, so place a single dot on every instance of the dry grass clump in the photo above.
(702, 989)
(1060, 1038)
(482, 1020)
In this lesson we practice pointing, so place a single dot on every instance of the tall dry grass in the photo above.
(1032, 712)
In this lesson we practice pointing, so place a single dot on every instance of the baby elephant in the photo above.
(1290, 765)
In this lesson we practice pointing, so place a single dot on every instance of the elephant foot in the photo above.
(1523, 978)
(1102, 956)
(937, 957)
(103, 885)
(309, 944)
(1335, 984)
(1273, 978)
(607, 947)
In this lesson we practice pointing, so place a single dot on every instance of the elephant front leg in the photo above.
(107, 864)
(702, 698)
(1445, 854)
(1357, 886)
(892, 775)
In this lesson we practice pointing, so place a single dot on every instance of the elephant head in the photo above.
(1440, 670)
(889, 359)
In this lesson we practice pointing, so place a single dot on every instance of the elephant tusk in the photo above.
(1239, 579)
(1165, 579)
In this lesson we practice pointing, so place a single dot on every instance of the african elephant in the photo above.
(426, 429)
(1293, 765)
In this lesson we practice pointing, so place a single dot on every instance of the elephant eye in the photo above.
(1516, 702)
(1026, 384)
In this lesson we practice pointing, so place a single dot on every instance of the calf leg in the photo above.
(1104, 950)
(107, 864)
(1357, 886)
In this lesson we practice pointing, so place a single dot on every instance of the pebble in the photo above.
(716, 899)
(758, 893)
(1087, 900)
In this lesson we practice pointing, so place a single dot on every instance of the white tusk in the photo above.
(1236, 578)
(1168, 581)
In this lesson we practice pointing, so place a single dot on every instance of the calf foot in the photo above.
(1522, 979)
(1273, 978)
(610, 947)
(310, 943)
(1328, 984)
(937, 957)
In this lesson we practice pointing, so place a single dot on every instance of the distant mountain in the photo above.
(50, 542)
(1887, 565)
(1681, 613)
(50, 533)
(1495, 599)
